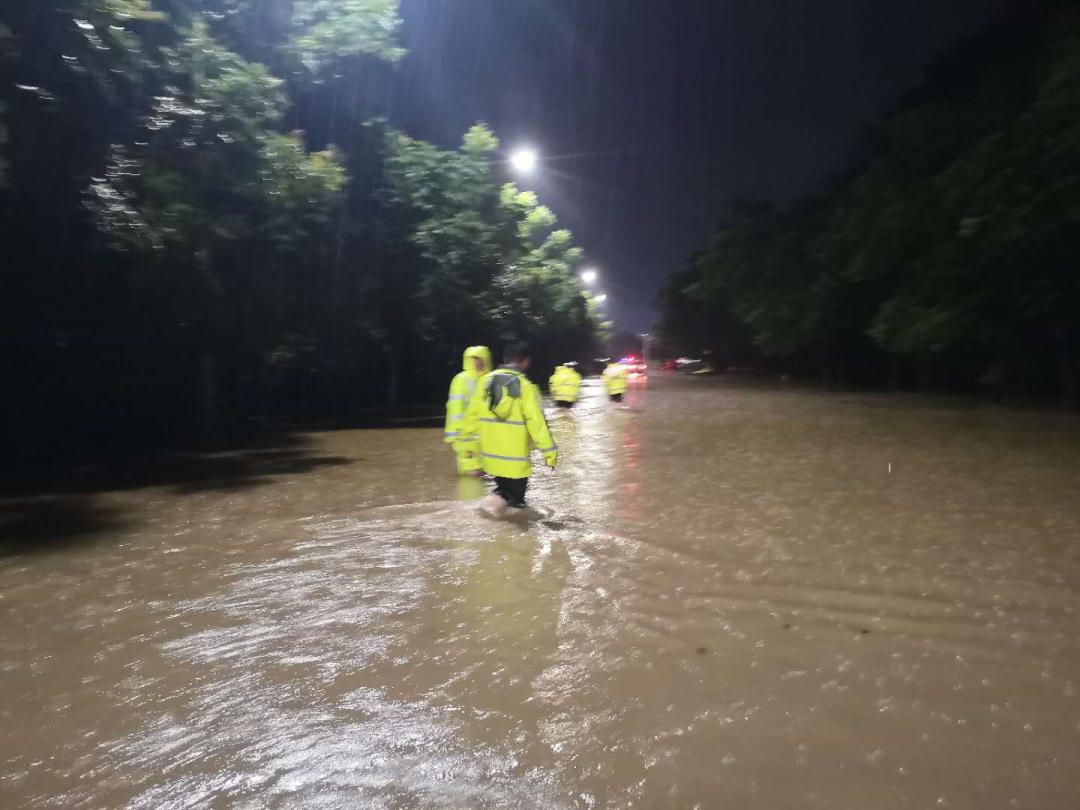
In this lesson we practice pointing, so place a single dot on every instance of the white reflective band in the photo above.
(548, 449)
(504, 458)
(500, 421)
(451, 433)
(458, 397)
(457, 417)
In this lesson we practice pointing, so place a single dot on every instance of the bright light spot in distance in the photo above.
(524, 160)
(601, 298)
(588, 276)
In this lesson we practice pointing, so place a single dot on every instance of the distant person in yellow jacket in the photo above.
(505, 411)
(615, 380)
(475, 364)
(564, 385)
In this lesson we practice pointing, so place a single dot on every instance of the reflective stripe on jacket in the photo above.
(505, 444)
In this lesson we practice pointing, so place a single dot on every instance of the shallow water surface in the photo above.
(731, 597)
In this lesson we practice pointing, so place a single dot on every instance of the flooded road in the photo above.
(736, 598)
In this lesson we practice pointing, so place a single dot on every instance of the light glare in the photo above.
(524, 160)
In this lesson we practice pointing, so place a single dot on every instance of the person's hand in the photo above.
(550, 459)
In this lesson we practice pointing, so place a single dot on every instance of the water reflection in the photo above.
(470, 488)
(729, 596)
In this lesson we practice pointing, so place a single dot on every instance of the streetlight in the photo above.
(644, 346)
(601, 298)
(588, 275)
(524, 160)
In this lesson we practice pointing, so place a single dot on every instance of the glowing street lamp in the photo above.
(524, 160)
(588, 275)
(644, 346)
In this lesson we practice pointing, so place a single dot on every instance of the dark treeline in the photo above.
(206, 218)
(945, 256)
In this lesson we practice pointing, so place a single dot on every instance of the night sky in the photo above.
(650, 112)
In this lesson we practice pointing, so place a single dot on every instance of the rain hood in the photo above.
(483, 352)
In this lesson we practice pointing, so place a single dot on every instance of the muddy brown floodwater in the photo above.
(735, 598)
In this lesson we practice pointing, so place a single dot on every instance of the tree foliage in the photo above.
(495, 260)
(327, 31)
(181, 256)
(952, 245)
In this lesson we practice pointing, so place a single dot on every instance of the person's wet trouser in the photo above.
(562, 403)
(512, 490)
(616, 397)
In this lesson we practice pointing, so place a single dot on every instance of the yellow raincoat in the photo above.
(615, 376)
(564, 384)
(466, 446)
(505, 410)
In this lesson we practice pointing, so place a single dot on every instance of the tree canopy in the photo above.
(180, 254)
(945, 254)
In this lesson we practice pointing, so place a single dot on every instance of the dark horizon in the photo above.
(639, 153)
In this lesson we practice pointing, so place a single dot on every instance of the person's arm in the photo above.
(455, 409)
(537, 425)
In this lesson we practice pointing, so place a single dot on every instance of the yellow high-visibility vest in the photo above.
(510, 432)
(564, 384)
(461, 390)
(615, 376)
